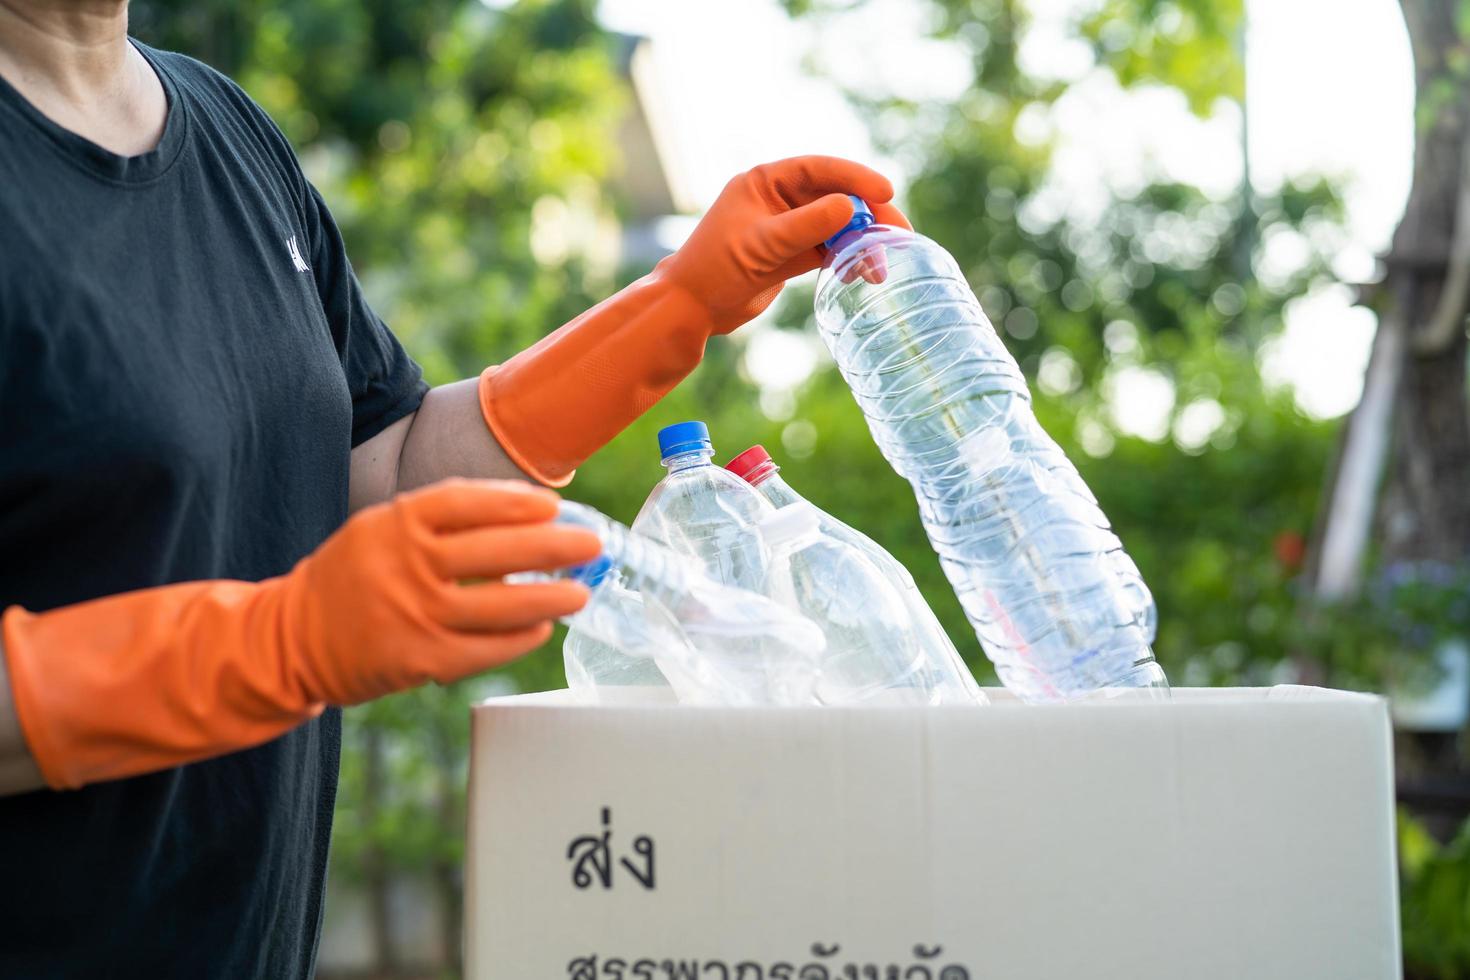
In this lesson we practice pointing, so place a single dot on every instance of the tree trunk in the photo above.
(1350, 499)
(1426, 506)
(1413, 413)
(1425, 511)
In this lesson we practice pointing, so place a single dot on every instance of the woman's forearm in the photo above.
(446, 437)
(449, 438)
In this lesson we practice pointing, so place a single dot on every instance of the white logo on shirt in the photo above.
(296, 258)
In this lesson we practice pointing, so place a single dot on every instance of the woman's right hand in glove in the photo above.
(406, 592)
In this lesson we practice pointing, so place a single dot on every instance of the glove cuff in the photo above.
(559, 401)
(490, 407)
(148, 680)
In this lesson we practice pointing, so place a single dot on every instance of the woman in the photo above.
(194, 397)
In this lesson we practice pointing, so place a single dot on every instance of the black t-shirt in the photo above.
(186, 360)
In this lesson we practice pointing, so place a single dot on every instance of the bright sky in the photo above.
(1327, 94)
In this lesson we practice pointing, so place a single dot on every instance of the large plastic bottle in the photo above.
(1054, 600)
(938, 670)
(743, 648)
(617, 643)
(699, 509)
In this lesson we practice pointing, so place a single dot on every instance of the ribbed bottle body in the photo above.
(1055, 601)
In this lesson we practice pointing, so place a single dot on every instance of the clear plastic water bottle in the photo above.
(1056, 603)
(743, 648)
(699, 509)
(616, 643)
(937, 674)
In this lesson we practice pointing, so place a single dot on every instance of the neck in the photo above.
(775, 490)
(72, 61)
(683, 461)
(77, 49)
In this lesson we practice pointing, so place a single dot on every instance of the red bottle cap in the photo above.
(753, 465)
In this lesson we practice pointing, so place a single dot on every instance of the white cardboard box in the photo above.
(1228, 835)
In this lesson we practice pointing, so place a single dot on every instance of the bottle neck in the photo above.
(778, 492)
(685, 461)
(763, 473)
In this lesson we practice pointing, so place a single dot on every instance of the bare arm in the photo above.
(18, 772)
(446, 437)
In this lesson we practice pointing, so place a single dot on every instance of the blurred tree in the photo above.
(1414, 414)
(1397, 499)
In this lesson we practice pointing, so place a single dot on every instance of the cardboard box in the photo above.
(1227, 835)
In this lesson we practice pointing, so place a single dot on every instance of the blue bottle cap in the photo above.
(683, 437)
(591, 573)
(862, 216)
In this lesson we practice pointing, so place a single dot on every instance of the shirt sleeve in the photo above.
(386, 383)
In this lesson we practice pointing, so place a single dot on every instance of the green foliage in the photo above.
(1439, 92)
(1390, 632)
(1435, 895)
(1189, 45)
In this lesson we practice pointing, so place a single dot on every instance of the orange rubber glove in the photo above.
(554, 404)
(147, 680)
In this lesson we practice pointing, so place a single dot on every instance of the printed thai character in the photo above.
(783, 971)
(583, 968)
(592, 849)
(818, 971)
(644, 847)
(922, 971)
(744, 971)
(682, 970)
(954, 972)
(613, 969)
(643, 970)
(717, 965)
